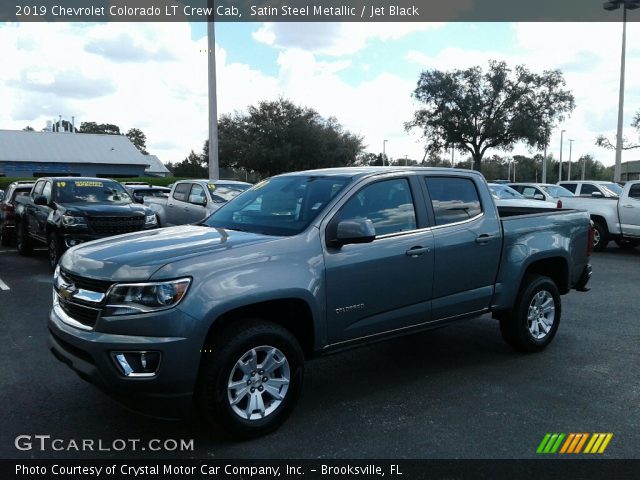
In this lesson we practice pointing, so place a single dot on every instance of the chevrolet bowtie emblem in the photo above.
(67, 291)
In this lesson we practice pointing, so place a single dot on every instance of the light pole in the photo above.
(384, 150)
(569, 169)
(626, 5)
(560, 168)
(544, 161)
(214, 170)
(584, 165)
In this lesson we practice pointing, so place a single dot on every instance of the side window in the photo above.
(197, 195)
(37, 190)
(46, 191)
(529, 192)
(180, 192)
(570, 186)
(587, 189)
(453, 199)
(388, 204)
(634, 191)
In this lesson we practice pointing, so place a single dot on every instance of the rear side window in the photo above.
(180, 193)
(634, 191)
(570, 186)
(453, 199)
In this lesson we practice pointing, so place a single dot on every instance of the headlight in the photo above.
(69, 220)
(134, 298)
(150, 219)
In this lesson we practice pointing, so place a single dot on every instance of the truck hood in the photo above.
(103, 209)
(136, 256)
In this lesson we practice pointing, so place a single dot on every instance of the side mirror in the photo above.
(538, 196)
(202, 201)
(359, 230)
(597, 194)
(40, 200)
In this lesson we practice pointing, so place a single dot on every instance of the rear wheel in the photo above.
(534, 320)
(23, 242)
(250, 379)
(5, 238)
(600, 236)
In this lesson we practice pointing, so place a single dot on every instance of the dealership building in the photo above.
(630, 170)
(39, 154)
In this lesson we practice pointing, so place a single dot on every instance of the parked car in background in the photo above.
(62, 212)
(7, 210)
(505, 196)
(1, 195)
(191, 201)
(615, 217)
(593, 188)
(139, 192)
(222, 315)
(547, 192)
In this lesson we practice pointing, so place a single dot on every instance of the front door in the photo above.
(630, 212)
(386, 284)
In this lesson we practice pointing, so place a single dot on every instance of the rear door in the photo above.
(468, 243)
(386, 284)
(629, 211)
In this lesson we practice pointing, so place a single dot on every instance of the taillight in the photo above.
(590, 242)
(559, 204)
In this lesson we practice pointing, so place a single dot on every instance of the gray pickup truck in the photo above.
(191, 201)
(222, 315)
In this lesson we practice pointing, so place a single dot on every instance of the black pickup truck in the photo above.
(62, 212)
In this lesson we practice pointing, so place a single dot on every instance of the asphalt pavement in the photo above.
(455, 392)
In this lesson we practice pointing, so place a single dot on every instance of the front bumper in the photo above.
(168, 394)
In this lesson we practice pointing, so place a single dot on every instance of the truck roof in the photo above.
(364, 171)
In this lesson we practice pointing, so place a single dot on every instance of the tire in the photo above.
(600, 237)
(54, 250)
(23, 242)
(228, 360)
(527, 336)
(5, 238)
(627, 244)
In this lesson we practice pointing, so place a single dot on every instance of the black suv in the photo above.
(62, 212)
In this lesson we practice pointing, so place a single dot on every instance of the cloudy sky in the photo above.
(154, 76)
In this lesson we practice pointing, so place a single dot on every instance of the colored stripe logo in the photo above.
(574, 443)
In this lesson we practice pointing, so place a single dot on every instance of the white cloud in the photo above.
(335, 39)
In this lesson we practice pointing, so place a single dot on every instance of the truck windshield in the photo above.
(223, 192)
(611, 189)
(89, 191)
(278, 206)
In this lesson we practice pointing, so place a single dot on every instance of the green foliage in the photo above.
(194, 166)
(139, 139)
(475, 110)
(278, 136)
(104, 128)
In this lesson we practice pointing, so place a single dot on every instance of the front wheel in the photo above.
(54, 249)
(534, 320)
(250, 379)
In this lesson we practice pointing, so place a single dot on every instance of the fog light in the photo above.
(137, 364)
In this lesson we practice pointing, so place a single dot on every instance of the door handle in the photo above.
(628, 206)
(484, 238)
(417, 251)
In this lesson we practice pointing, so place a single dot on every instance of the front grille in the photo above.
(85, 315)
(85, 283)
(116, 225)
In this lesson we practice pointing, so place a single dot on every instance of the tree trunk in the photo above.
(477, 161)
